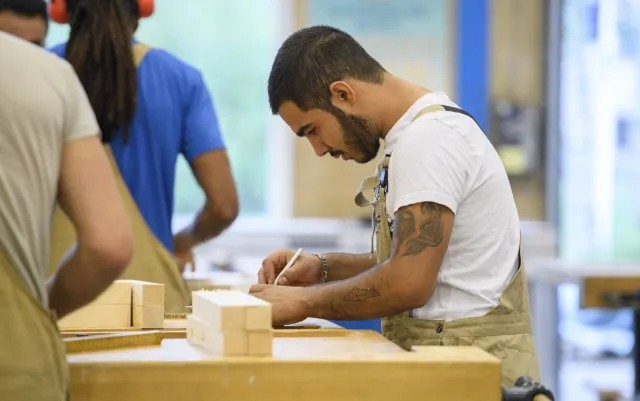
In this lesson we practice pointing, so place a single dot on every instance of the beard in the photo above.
(358, 135)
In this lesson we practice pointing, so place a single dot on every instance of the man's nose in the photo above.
(319, 147)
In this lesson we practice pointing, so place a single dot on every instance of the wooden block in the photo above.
(231, 310)
(196, 330)
(223, 343)
(144, 293)
(111, 309)
(219, 311)
(226, 343)
(118, 293)
(260, 343)
(98, 316)
(258, 316)
(148, 317)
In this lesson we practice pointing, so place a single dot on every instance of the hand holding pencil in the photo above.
(286, 267)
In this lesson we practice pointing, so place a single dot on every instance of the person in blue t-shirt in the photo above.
(149, 116)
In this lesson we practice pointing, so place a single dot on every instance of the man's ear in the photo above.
(342, 93)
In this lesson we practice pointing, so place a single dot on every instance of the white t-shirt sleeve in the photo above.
(430, 163)
(79, 118)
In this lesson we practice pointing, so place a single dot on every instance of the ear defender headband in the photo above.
(58, 10)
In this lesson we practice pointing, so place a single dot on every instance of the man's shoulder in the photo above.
(22, 49)
(31, 59)
(430, 130)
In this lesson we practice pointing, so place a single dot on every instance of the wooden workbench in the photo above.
(309, 365)
(176, 328)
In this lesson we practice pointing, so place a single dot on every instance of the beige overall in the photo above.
(505, 331)
(151, 260)
(33, 365)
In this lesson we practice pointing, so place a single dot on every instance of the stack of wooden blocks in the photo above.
(125, 304)
(230, 323)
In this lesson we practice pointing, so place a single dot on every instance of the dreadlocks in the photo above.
(99, 49)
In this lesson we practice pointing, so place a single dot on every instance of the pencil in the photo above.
(291, 262)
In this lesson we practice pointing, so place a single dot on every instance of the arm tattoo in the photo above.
(430, 230)
(359, 294)
(404, 226)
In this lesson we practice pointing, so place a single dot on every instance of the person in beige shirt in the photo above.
(26, 19)
(50, 152)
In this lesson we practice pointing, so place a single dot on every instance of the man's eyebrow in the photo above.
(301, 132)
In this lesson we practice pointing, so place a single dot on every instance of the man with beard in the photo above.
(447, 267)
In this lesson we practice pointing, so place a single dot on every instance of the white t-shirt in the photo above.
(444, 157)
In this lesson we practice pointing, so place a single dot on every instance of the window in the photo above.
(600, 130)
(599, 213)
(233, 46)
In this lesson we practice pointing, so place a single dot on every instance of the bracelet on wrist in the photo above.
(323, 267)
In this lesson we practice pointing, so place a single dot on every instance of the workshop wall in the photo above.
(421, 49)
(482, 52)
(518, 33)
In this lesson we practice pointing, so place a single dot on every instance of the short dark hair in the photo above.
(313, 58)
(26, 8)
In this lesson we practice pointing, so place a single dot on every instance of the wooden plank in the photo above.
(175, 327)
(362, 365)
(105, 342)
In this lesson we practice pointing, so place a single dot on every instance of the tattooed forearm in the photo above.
(411, 240)
(360, 294)
(343, 266)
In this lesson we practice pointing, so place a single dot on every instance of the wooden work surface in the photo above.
(310, 323)
(176, 328)
(309, 365)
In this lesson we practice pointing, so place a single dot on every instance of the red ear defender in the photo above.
(146, 8)
(58, 11)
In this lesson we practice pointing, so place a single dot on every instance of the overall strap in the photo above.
(139, 51)
(439, 107)
(370, 183)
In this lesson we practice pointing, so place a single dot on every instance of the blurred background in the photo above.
(554, 83)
